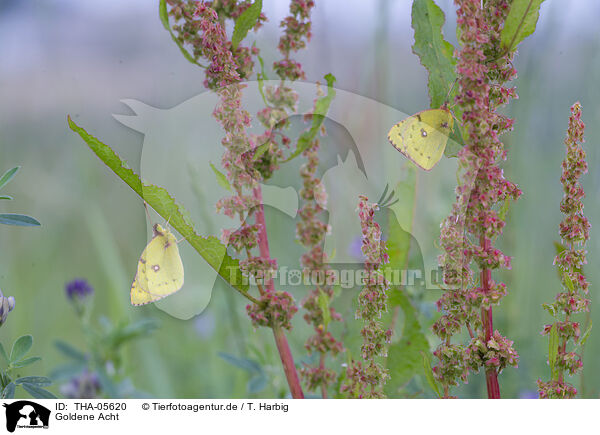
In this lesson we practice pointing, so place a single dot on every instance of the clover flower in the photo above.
(86, 385)
(7, 304)
(78, 289)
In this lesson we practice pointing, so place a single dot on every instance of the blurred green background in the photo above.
(81, 58)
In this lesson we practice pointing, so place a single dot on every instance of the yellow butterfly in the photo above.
(160, 270)
(423, 137)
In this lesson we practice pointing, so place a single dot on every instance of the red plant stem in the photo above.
(563, 350)
(491, 375)
(322, 367)
(263, 240)
(287, 360)
(283, 347)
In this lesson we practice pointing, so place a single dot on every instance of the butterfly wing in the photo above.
(423, 137)
(159, 271)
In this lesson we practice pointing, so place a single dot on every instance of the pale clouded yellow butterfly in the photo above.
(160, 270)
(423, 136)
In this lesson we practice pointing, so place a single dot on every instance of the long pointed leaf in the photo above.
(9, 391)
(19, 220)
(520, 22)
(69, 351)
(25, 362)
(585, 335)
(40, 381)
(429, 375)
(37, 392)
(8, 175)
(246, 21)
(164, 18)
(436, 54)
(210, 248)
(321, 109)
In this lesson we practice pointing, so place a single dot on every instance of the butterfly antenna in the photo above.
(185, 238)
(446, 100)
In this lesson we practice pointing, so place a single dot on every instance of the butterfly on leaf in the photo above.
(423, 136)
(160, 270)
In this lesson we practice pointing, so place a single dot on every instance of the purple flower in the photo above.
(6, 305)
(84, 386)
(78, 289)
(205, 325)
(354, 248)
(528, 394)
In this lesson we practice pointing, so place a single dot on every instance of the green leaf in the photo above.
(8, 175)
(25, 362)
(40, 381)
(210, 248)
(429, 375)
(405, 359)
(4, 378)
(9, 391)
(568, 282)
(37, 392)
(455, 140)
(242, 363)
(65, 372)
(164, 18)
(260, 150)
(129, 332)
(435, 53)
(257, 384)
(553, 350)
(163, 14)
(4, 354)
(323, 301)
(585, 335)
(221, 178)
(20, 348)
(520, 22)
(550, 308)
(261, 77)
(69, 351)
(400, 223)
(437, 56)
(321, 108)
(504, 209)
(338, 385)
(6, 197)
(106, 384)
(559, 249)
(245, 22)
(20, 220)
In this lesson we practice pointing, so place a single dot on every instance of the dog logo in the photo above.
(26, 414)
